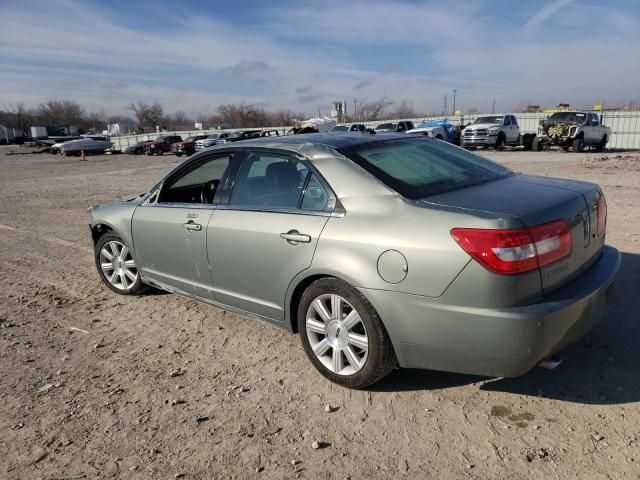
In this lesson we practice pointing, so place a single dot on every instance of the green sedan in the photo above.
(379, 250)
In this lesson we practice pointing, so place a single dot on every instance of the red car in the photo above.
(161, 144)
(186, 147)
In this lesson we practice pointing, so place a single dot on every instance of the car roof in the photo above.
(336, 140)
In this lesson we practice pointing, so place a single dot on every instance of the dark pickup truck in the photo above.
(161, 144)
(186, 147)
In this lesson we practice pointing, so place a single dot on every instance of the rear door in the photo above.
(169, 233)
(267, 233)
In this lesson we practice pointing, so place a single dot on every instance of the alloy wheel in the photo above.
(337, 334)
(118, 266)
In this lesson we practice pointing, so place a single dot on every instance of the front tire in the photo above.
(116, 266)
(499, 143)
(343, 335)
(536, 144)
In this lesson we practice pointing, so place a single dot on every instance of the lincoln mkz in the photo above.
(379, 250)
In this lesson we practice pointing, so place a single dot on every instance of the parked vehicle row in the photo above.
(567, 130)
(178, 146)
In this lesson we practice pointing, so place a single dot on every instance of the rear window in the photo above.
(417, 168)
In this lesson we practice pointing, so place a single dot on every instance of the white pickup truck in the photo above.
(495, 131)
(575, 130)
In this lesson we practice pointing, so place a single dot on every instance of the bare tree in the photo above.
(22, 116)
(149, 115)
(404, 110)
(179, 118)
(241, 115)
(375, 110)
(60, 112)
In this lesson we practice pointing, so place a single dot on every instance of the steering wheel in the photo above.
(208, 191)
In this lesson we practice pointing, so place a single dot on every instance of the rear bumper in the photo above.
(504, 342)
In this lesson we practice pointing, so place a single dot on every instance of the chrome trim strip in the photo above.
(208, 206)
(290, 211)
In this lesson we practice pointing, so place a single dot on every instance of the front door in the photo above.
(169, 234)
(267, 233)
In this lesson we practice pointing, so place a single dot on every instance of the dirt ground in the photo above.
(95, 385)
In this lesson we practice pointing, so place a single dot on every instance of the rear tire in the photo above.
(578, 144)
(342, 334)
(601, 146)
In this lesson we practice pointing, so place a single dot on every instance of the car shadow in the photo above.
(603, 368)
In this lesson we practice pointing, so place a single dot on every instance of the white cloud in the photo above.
(403, 51)
(533, 24)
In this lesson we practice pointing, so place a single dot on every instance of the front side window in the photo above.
(269, 180)
(417, 168)
(197, 184)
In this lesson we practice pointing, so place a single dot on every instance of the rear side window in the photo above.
(315, 196)
(269, 180)
(417, 168)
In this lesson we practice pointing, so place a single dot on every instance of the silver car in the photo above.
(379, 250)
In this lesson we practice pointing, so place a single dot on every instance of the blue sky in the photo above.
(301, 55)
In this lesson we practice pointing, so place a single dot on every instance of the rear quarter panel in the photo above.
(351, 246)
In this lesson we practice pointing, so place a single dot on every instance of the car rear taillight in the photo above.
(516, 250)
(601, 223)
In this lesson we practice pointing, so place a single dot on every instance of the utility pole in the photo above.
(445, 108)
(493, 109)
(454, 100)
(355, 109)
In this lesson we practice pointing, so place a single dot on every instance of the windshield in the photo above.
(491, 119)
(569, 117)
(190, 139)
(417, 168)
(340, 128)
(386, 126)
(159, 139)
(213, 137)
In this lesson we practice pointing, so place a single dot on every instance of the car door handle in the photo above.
(192, 227)
(295, 237)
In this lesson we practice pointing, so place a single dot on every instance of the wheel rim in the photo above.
(337, 335)
(118, 266)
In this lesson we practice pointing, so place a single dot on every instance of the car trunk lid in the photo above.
(535, 201)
